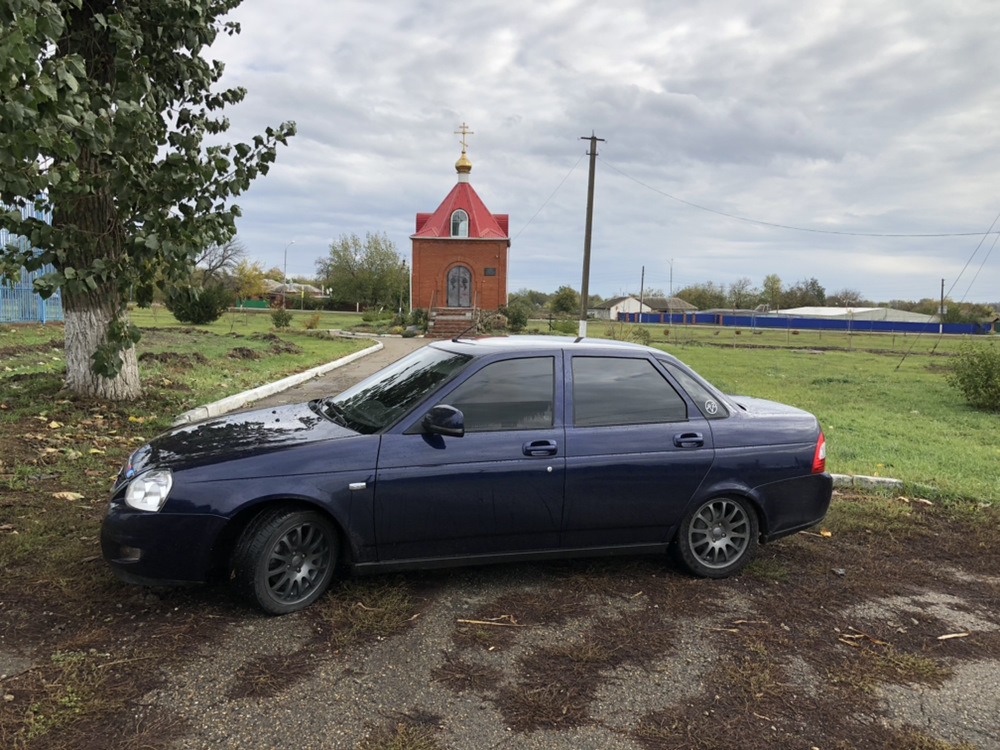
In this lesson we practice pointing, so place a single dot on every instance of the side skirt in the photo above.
(431, 563)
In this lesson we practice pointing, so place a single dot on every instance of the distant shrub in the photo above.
(312, 322)
(565, 326)
(199, 306)
(418, 318)
(374, 316)
(976, 373)
(491, 321)
(517, 318)
(280, 317)
(622, 332)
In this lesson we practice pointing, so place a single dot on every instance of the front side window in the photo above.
(378, 401)
(514, 394)
(618, 391)
(460, 224)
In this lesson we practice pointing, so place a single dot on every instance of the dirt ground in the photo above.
(878, 629)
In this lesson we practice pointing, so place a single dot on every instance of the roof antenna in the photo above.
(462, 334)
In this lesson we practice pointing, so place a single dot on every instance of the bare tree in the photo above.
(218, 258)
(742, 293)
(845, 298)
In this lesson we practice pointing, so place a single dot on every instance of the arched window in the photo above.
(460, 224)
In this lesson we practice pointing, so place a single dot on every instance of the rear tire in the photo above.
(285, 559)
(718, 538)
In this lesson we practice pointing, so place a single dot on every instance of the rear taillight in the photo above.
(819, 460)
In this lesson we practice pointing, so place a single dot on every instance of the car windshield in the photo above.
(377, 402)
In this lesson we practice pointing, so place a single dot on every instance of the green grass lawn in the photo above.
(881, 417)
(247, 321)
(882, 399)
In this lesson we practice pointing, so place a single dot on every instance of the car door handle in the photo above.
(540, 448)
(689, 440)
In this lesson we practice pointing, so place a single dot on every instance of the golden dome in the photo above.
(463, 165)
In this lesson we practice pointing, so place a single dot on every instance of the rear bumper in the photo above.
(794, 504)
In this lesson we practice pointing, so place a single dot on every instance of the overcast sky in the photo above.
(870, 117)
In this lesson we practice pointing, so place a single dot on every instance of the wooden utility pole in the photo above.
(941, 310)
(585, 286)
(642, 291)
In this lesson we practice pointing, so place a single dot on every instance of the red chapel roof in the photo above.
(482, 224)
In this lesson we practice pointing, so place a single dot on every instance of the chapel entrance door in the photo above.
(459, 287)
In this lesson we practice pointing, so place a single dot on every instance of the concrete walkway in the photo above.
(340, 378)
(317, 382)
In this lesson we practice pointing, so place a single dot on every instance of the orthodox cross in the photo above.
(463, 130)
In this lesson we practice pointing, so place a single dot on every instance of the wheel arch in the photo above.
(732, 489)
(227, 539)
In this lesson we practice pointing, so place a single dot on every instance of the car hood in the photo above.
(236, 436)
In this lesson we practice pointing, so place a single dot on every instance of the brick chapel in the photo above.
(460, 253)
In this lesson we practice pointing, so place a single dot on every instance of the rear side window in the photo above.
(616, 391)
(707, 402)
(513, 394)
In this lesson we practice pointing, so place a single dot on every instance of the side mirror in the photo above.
(444, 420)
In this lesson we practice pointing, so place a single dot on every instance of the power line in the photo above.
(534, 215)
(781, 226)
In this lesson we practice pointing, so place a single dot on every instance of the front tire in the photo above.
(285, 559)
(718, 538)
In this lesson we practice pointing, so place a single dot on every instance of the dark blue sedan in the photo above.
(471, 451)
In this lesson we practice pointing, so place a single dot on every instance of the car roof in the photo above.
(480, 346)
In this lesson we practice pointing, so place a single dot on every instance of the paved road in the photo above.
(343, 377)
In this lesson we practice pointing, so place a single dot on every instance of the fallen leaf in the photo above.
(67, 496)
(826, 533)
(53, 425)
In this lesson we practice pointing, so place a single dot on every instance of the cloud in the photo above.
(877, 117)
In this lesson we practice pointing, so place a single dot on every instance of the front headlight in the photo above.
(149, 490)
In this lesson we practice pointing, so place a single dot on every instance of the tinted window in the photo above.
(515, 394)
(378, 401)
(615, 391)
(708, 403)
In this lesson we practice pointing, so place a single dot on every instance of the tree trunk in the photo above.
(87, 318)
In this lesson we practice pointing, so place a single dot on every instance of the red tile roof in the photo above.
(482, 224)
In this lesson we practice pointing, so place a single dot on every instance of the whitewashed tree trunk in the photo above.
(86, 326)
(90, 306)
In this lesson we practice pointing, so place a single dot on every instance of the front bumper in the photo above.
(159, 549)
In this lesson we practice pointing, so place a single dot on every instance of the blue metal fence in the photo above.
(809, 324)
(18, 301)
